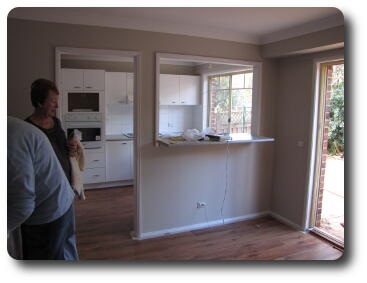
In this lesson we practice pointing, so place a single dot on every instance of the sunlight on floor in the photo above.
(332, 216)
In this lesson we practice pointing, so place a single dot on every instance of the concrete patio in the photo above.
(333, 200)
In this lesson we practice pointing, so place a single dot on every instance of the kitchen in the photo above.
(97, 99)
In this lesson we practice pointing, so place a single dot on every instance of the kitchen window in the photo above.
(230, 102)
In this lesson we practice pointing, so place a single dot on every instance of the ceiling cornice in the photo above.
(93, 18)
(314, 26)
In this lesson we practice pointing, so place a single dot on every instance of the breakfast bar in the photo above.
(174, 141)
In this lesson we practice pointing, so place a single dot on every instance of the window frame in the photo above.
(256, 65)
(230, 74)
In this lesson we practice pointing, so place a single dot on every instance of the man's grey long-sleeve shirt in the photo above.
(38, 190)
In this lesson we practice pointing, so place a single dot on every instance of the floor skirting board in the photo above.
(285, 221)
(108, 185)
(203, 225)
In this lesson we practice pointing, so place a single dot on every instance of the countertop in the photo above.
(118, 138)
(235, 138)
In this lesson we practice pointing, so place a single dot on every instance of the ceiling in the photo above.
(242, 24)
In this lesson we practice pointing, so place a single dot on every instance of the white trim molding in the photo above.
(202, 225)
(308, 202)
(116, 55)
(286, 221)
(256, 90)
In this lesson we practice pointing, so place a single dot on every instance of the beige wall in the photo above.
(328, 39)
(293, 123)
(124, 66)
(99, 65)
(173, 180)
(178, 69)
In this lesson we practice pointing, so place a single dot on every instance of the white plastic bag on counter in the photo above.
(192, 135)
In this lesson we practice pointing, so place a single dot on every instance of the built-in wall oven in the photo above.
(92, 133)
(83, 101)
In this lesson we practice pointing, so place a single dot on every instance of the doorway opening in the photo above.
(115, 76)
(327, 218)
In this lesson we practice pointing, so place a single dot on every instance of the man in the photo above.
(40, 199)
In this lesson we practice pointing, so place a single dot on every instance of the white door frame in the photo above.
(313, 140)
(115, 54)
(256, 90)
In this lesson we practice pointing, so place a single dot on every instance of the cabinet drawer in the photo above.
(94, 175)
(95, 160)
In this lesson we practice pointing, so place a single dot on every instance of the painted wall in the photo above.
(173, 180)
(293, 123)
(178, 69)
(328, 39)
(99, 65)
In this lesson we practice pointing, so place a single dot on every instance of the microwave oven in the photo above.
(83, 101)
(92, 133)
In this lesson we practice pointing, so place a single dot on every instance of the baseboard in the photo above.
(203, 225)
(108, 185)
(285, 221)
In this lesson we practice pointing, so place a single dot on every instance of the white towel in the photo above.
(77, 165)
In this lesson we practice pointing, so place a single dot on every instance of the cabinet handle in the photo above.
(96, 160)
(173, 101)
(76, 87)
(123, 143)
(183, 101)
(95, 175)
(88, 87)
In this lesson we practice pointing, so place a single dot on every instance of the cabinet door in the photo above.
(115, 87)
(189, 90)
(118, 160)
(130, 87)
(72, 79)
(94, 80)
(169, 90)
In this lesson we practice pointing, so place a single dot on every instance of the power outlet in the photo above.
(201, 204)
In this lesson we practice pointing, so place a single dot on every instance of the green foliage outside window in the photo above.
(336, 121)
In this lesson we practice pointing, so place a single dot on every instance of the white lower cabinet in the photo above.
(95, 166)
(94, 175)
(118, 160)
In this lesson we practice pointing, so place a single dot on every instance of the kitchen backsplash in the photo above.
(119, 119)
(176, 119)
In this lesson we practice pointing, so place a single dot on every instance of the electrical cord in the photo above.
(206, 218)
(226, 186)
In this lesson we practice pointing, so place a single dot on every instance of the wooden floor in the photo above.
(105, 219)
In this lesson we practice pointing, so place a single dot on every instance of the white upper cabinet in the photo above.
(189, 90)
(179, 90)
(169, 89)
(130, 87)
(72, 79)
(82, 79)
(94, 79)
(115, 88)
(119, 87)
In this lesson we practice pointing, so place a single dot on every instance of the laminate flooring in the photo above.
(105, 220)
